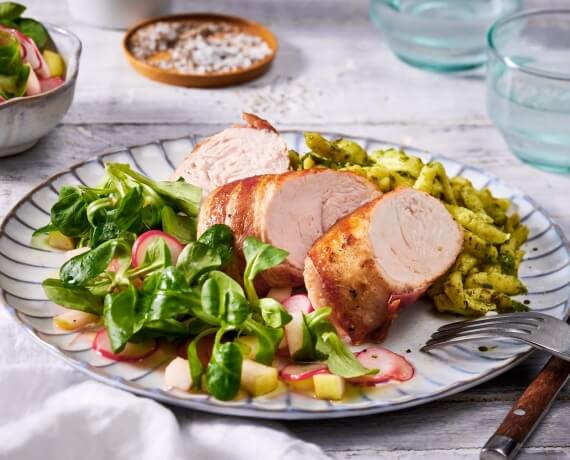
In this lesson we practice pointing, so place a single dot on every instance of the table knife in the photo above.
(527, 412)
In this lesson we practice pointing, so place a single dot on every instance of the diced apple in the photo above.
(298, 338)
(58, 240)
(258, 379)
(329, 386)
(73, 320)
(303, 386)
(249, 346)
(55, 63)
(177, 375)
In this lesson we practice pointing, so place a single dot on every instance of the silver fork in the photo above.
(536, 329)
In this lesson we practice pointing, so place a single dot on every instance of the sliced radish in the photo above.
(143, 242)
(33, 86)
(47, 84)
(298, 372)
(31, 54)
(298, 303)
(132, 352)
(392, 366)
(279, 294)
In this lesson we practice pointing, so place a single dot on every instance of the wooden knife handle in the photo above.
(527, 412)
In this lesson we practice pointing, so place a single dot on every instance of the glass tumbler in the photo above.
(528, 86)
(439, 35)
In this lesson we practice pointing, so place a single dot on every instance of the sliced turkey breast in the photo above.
(380, 257)
(235, 153)
(289, 211)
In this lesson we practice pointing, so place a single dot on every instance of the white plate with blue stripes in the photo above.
(545, 270)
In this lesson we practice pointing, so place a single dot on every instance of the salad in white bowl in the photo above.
(29, 63)
(38, 70)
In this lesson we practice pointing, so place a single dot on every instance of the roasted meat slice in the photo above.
(289, 210)
(383, 255)
(235, 153)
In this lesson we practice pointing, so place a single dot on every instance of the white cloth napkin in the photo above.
(50, 411)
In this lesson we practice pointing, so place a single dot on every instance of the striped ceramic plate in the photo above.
(545, 270)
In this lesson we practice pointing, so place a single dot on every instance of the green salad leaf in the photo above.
(340, 360)
(183, 228)
(259, 257)
(83, 268)
(13, 72)
(273, 313)
(196, 259)
(125, 202)
(11, 10)
(35, 30)
(75, 298)
(224, 371)
(120, 317)
(269, 339)
(194, 362)
(180, 194)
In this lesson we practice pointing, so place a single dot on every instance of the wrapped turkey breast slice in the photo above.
(289, 211)
(383, 255)
(235, 153)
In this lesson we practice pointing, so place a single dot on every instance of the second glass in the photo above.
(528, 86)
(439, 35)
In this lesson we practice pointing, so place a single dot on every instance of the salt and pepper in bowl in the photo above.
(200, 50)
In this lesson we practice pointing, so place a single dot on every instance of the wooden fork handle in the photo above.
(528, 411)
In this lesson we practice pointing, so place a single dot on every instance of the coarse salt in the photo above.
(197, 47)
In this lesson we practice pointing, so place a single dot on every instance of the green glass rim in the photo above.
(509, 62)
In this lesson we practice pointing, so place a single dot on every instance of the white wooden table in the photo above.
(333, 72)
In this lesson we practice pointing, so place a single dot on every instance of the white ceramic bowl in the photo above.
(25, 120)
(117, 14)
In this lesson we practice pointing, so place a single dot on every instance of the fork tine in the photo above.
(474, 335)
(481, 329)
(528, 316)
(431, 344)
(523, 325)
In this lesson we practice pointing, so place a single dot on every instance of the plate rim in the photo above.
(258, 411)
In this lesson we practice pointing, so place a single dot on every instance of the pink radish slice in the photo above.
(297, 372)
(33, 86)
(392, 366)
(143, 242)
(31, 54)
(132, 352)
(47, 84)
(298, 303)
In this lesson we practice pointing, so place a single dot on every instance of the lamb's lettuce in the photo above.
(13, 72)
(11, 16)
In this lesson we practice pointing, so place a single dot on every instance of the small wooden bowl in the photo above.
(208, 80)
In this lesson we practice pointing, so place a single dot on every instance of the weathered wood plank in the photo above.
(448, 454)
(440, 426)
